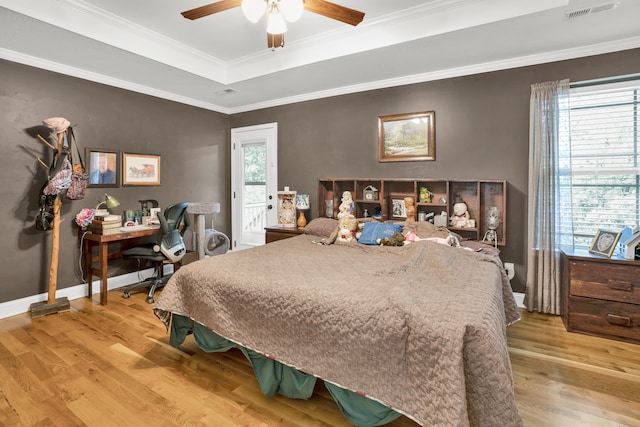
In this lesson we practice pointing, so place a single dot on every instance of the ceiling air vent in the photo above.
(590, 10)
(227, 91)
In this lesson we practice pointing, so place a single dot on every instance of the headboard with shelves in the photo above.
(479, 196)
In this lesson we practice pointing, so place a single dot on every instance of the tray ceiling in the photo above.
(221, 62)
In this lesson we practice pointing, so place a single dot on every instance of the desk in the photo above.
(102, 241)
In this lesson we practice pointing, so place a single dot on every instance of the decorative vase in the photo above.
(302, 220)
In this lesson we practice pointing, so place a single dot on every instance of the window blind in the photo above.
(604, 158)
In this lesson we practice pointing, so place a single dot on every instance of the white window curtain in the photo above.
(549, 194)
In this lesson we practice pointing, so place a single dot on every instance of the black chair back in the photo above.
(174, 217)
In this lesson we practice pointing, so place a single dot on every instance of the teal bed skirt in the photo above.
(275, 377)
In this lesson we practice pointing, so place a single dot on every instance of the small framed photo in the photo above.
(398, 208)
(407, 137)
(103, 167)
(604, 243)
(140, 169)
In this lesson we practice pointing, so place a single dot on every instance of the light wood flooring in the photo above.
(112, 366)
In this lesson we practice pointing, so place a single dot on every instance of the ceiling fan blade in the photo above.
(210, 9)
(275, 40)
(334, 11)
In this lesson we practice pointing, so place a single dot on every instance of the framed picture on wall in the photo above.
(407, 137)
(103, 167)
(140, 169)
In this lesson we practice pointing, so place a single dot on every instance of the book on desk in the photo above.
(108, 224)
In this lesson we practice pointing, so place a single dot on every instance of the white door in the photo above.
(254, 183)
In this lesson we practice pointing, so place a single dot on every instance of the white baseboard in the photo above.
(23, 305)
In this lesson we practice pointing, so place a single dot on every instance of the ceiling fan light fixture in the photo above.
(253, 9)
(275, 21)
(291, 9)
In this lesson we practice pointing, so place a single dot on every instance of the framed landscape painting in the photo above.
(407, 137)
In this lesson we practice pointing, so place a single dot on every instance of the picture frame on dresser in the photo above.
(604, 243)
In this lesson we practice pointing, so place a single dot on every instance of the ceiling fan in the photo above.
(276, 10)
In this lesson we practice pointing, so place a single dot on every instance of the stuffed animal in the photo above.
(346, 207)
(346, 230)
(396, 240)
(460, 217)
(425, 195)
(359, 229)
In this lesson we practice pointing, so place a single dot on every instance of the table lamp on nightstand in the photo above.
(302, 204)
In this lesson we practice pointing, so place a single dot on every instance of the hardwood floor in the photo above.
(101, 366)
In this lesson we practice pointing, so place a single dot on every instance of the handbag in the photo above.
(59, 172)
(79, 176)
(44, 217)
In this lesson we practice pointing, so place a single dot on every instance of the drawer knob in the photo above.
(619, 285)
(614, 319)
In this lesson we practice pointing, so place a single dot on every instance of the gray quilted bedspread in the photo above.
(420, 328)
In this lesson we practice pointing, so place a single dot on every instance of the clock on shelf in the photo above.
(370, 193)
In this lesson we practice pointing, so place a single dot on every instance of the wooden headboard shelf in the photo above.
(478, 194)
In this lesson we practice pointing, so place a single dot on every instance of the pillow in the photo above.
(322, 227)
(374, 231)
(425, 229)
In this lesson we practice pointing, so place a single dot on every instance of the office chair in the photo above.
(168, 249)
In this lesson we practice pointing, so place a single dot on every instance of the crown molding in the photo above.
(559, 55)
(107, 80)
(100, 25)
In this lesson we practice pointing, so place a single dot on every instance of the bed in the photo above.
(418, 330)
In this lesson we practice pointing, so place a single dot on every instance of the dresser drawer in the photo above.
(605, 281)
(601, 317)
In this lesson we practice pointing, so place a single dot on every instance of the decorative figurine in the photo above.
(425, 195)
(460, 216)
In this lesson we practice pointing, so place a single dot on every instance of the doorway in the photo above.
(254, 183)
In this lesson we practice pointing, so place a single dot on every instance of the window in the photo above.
(604, 157)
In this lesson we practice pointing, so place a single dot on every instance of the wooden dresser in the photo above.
(601, 296)
(275, 233)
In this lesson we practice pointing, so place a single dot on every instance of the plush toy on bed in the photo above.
(346, 207)
(359, 229)
(396, 240)
(346, 230)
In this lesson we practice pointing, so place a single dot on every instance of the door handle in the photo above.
(269, 206)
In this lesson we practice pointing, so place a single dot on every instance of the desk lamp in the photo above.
(302, 204)
(109, 201)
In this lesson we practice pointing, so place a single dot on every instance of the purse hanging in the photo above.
(59, 173)
(79, 176)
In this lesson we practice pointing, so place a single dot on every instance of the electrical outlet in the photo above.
(511, 269)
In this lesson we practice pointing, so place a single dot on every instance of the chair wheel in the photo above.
(126, 295)
(150, 300)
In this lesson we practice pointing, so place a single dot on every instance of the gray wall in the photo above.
(193, 144)
(481, 132)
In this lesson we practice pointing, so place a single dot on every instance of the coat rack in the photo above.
(53, 304)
